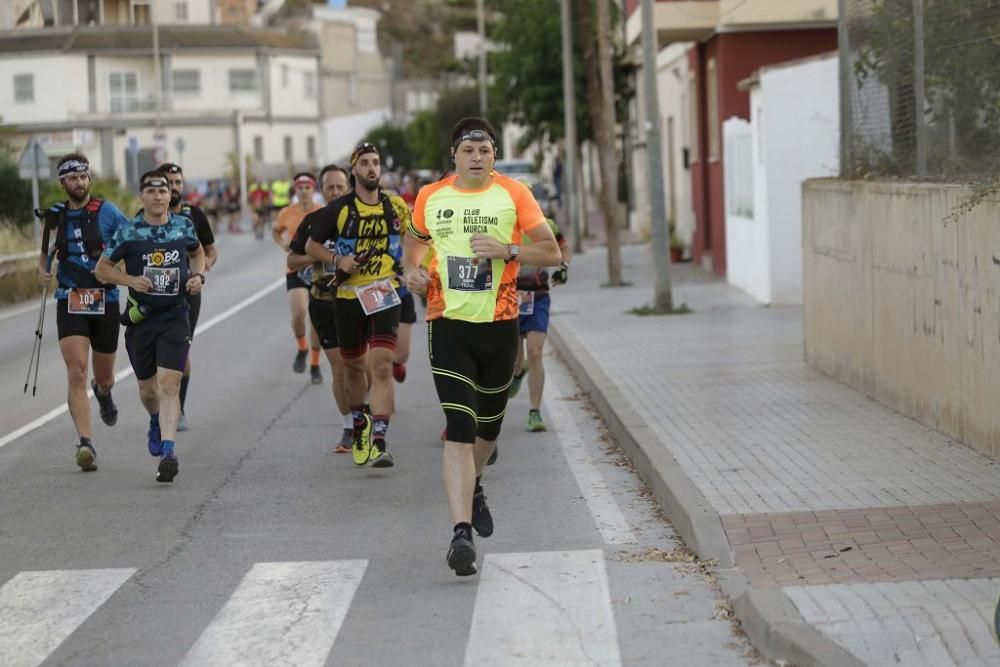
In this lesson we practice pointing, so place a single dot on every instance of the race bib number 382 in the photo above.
(166, 281)
(470, 274)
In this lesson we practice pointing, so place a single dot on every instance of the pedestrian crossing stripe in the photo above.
(543, 608)
(39, 610)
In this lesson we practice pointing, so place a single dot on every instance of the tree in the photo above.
(15, 193)
(394, 142)
(600, 89)
(429, 132)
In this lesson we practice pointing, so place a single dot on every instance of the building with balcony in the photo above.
(217, 91)
(713, 45)
(34, 14)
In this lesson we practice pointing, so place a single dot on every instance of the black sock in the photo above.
(479, 487)
(85, 441)
(184, 390)
(465, 529)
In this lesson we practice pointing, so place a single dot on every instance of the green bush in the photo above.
(15, 193)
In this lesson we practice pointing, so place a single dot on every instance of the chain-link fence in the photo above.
(920, 88)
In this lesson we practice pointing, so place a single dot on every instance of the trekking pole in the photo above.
(36, 350)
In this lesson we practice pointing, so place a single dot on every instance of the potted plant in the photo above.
(676, 247)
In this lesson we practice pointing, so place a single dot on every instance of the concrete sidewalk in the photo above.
(844, 532)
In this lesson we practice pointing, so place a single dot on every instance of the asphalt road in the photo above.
(269, 549)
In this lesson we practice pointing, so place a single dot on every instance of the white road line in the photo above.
(281, 613)
(39, 610)
(610, 521)
(544, 608)
(31, 307)
(124, 373)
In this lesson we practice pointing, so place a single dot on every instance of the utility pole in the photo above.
(662, 293)
(569, 119)
(481, 27)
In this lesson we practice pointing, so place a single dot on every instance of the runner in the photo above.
(475, 219)
(333, 183)
(175, 176)
(289, 219)
(534, 302)
(364, 228)
(163, 262)
(86, 310)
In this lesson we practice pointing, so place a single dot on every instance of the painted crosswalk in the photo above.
(542, 608)
(39, 610)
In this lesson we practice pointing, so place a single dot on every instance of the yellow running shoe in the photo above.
(362, 448)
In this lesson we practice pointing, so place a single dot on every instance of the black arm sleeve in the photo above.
(298, 242)
(324, 224)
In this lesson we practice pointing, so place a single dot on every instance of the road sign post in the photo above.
(33, 165)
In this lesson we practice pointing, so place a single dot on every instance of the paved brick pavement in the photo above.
(817, 486)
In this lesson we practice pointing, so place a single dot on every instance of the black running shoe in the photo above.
(299, 365)
(462, 554)
(482, 520)
(86, 457)
(494, 455)
(167, 469)
(379, 457)
(109, 411)
(315, 375)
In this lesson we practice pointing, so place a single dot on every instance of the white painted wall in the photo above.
(747, 245)
(215, 94)
(290, 99)
(60, 83)
(672, 77)
(795, 134)
(342, 134)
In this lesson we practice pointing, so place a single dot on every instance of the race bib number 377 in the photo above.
(470, 274)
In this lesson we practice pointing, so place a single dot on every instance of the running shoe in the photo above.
(493, 457)
(482, 520)
(315, 375)
(346, 440)
(109, 411)
(399, 372)
(362, 443)
(381, 458)
(299, 365)
(153, 441)
(167, 469)
(515, 385)
(86, 458)
(462, 554)
(182, 422)
(535, 422)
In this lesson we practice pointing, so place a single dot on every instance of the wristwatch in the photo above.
(199, 275)
(513, 250)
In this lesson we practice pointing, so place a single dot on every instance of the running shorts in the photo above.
(100, 330)
(472, 364)
(324, 321)
(357, 331)
(159, 341)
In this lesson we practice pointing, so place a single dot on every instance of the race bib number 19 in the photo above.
(166, 281)
(378, 296)
(83, 301)
(470, 274)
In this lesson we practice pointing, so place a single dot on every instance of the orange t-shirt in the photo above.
(290, 217)
(462, 287)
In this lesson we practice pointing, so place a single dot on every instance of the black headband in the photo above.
(154, 182)
(475, 135)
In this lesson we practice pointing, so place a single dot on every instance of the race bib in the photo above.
(377, 296)
(166, 281)
(470, 274)
(306, 275)
(86, 301)
(525, 302)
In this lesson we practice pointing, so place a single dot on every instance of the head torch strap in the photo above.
(154, 183)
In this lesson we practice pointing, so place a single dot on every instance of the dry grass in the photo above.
(13, 240)
(20, 285)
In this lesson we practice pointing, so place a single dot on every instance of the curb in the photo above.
(772, 622)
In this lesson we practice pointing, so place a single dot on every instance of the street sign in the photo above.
(133, 145)
(26, 163)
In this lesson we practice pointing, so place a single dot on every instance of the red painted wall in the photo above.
(737, 57)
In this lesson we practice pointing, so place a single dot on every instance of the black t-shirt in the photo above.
(201, 224)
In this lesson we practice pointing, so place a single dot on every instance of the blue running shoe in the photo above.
(153, 441)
